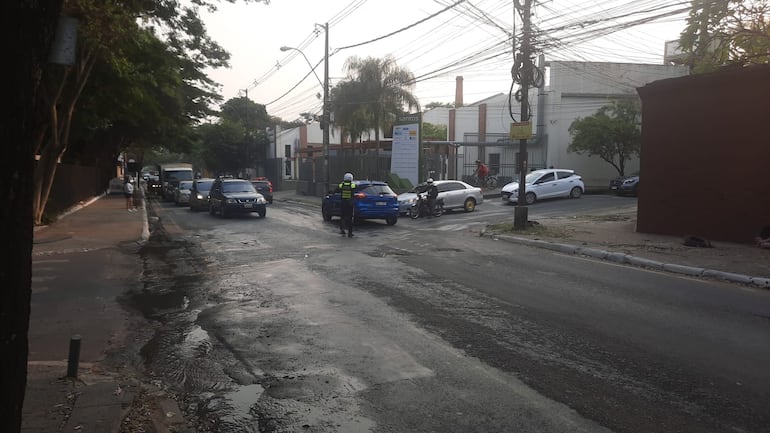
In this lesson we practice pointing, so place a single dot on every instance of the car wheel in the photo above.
(469, 205)
(262, 213)
(211, 209)
(391, 220)
(327, 216)
(530, 197)
(576, 192)
(222, 210)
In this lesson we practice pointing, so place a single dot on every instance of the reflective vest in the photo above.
(347, 188)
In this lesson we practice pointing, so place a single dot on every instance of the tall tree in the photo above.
(613, 133)
(106, 31)
(723, 32)
(381, 91)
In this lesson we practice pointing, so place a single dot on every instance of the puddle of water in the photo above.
(243, 399)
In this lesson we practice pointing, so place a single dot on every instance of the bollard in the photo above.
(74, 357)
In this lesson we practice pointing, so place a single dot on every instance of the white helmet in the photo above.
(430, 180)
(348, 176)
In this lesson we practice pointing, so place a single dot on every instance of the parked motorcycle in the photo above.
(420, 207)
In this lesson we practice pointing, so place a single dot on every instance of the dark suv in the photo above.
(229, 196)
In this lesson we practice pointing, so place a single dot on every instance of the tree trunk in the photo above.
(29, 28)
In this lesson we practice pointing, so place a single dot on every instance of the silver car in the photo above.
(455, 193)
(182, 192)
(546, 183)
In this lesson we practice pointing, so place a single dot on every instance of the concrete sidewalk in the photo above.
(81, 264)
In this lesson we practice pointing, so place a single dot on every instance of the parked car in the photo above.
(264, 187)
(625, 185)
(373, 200)
(455, 193)
(199, 193)
(230, 196)
(182, 192)
(546, 183)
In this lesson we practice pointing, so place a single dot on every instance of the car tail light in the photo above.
(360, 195)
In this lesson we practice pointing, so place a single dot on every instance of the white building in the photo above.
(573, 90)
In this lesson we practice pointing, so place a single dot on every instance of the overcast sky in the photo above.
(470, 39)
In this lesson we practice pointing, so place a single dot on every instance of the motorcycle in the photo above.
(420, 207)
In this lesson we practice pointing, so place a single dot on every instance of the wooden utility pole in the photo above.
(520, 214)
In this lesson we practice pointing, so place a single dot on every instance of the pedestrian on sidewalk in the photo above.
(128, 192)
(347, 193)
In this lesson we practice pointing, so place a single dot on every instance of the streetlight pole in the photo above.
(325, 123)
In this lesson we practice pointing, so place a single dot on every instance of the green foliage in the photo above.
(432, 131)
(613, 133)
(372, 95)
(726, 32)
(432, 105)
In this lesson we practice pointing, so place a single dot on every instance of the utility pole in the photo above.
(246, 126)
(520, 213)
(326, 120)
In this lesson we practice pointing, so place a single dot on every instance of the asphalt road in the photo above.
(281, 324)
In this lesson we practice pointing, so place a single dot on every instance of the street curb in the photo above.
(641, 262)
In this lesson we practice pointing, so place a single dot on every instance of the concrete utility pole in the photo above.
(326, 120)
(520, 213)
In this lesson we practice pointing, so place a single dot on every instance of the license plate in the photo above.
(247, 205)
(381, 203)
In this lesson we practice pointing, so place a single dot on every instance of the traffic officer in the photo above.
(347, 192)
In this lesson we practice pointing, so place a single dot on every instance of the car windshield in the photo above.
(378, 190)
(533, 176)
(237, 187)
(204, 186)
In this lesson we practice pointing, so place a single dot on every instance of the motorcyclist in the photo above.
(432, 194)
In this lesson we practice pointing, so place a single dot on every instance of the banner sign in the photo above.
(405, 155)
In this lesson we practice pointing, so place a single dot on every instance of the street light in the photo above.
(312, 68)
(325, 85)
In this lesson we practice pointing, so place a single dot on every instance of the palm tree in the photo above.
(373, 94)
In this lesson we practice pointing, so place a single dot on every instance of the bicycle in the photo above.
(489, 182)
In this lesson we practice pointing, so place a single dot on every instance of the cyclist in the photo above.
(481, 173)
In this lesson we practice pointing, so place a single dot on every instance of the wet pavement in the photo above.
(103, 236)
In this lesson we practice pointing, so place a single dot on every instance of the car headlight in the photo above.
(261, 200)
(231, 201)
(199, 196)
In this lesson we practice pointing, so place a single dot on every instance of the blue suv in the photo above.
(373, 200)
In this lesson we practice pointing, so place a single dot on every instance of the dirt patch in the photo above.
(616, 232)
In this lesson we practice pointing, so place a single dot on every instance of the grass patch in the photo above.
(606, 218)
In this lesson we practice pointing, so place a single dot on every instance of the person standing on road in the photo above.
(481, 173)
(128, 192)
(432, 195)
(347, 192)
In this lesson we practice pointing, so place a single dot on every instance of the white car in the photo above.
(456, 195)
(546, 183)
